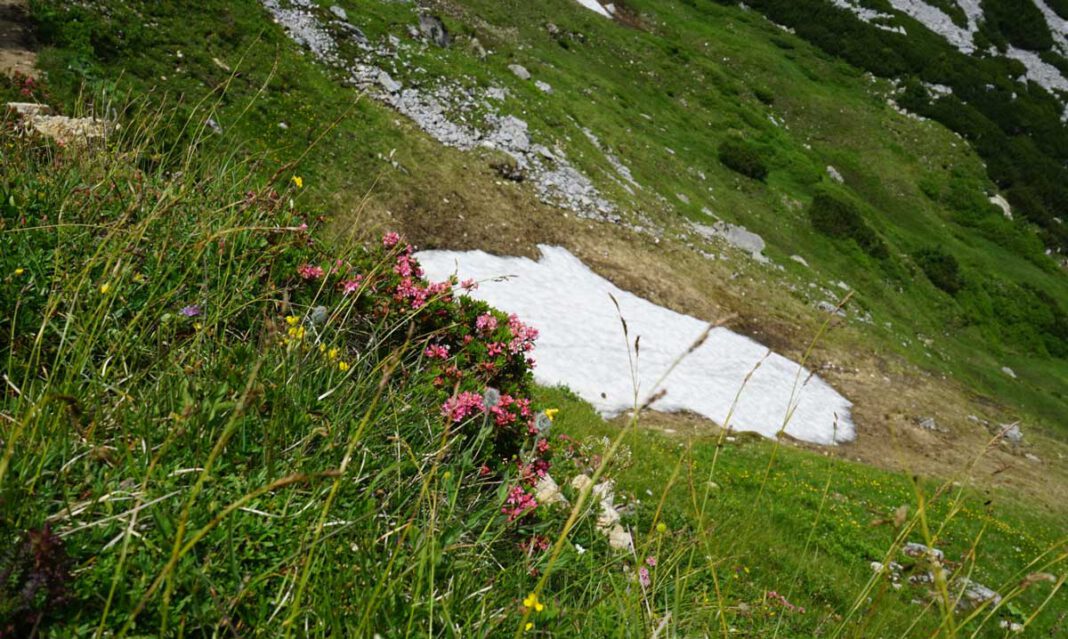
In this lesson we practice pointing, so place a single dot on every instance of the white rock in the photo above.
(620, 539)
(520, 71)
(546, 491)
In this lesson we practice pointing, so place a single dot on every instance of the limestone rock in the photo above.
(546, 491)
(520, 71)
(432, 28)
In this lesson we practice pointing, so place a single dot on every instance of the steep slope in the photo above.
(239, 409)
(618, 146)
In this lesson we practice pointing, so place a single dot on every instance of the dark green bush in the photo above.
(941, 268)
(742, 157)
(839, 218)
(1020, 22)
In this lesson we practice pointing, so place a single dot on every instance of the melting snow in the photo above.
(593, 5)
(582, 346)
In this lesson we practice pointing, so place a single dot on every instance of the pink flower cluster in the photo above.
(486, 323)
(349, 286)
(310, 271)
(437, 351)
(519, 503)
(781, 600)
(501, 415)
(391, 239)
(460, 407)
(523, 336)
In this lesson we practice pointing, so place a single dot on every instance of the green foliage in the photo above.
(743, 157)
(941, 268)
(1016, 129)
(838, 217)
(1019, 22)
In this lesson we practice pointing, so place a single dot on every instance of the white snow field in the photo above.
(582, 346)
(593, 5)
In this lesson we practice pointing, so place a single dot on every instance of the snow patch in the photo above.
(596, 7)
(582, 346)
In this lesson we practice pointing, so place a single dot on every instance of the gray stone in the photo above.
(433, 29)
(800, 260)
(927, 423)
(830, 307)
(918, 551)
(976, 594)
(339, 12)
(1012, 433)
(835, 175)
(543, 86)
(1008, 371)
(388, 83)
(520, 71)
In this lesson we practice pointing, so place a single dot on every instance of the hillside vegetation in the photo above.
(708, 75)
(233, 406)
(216, 423)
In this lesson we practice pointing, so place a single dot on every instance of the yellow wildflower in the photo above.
(343, 366)
(661, 528)
(197, 326)
(298, 181)
(322, 348)
(292, 320)
(104, 288)
(530, 624)
(551, 413)
(333, 353)
(532, 602)
(296, 332)
(19, 271)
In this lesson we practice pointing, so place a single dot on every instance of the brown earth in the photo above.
(16, 40)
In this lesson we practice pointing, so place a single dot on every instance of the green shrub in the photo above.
(941, 268)
(1020, 22)
(742, 157)
(839, 218)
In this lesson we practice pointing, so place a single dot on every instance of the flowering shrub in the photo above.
(471, 350)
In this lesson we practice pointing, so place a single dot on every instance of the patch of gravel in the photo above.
(457, 116)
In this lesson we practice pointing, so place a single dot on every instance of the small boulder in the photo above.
(387, 82)
(339, 12)
(433, 29)
(1012, 433)
(1008, 371)
(520, 71)
(976, 594)
(543, 86)
(834, 174)
(548, 492)
(919, 551)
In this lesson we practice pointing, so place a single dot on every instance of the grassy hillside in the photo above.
(664, 95)
(211, 426)
(215, 423)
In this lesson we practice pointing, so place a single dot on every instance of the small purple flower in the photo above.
(643, 577)
(190, 311)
